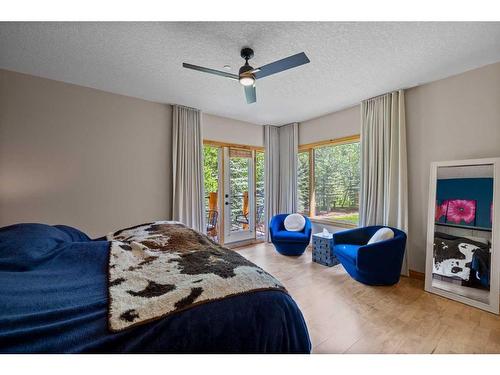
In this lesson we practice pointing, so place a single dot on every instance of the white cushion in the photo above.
(295, 222)
(381, 235)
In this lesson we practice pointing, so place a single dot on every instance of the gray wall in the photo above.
(101, 161)
(223, 129)
(454, 118)
(334, 125)
(82, 157)
(450, 119)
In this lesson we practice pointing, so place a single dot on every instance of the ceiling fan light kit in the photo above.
(247, 80)
(247, 75)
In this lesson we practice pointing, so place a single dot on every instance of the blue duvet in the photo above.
(53, 299)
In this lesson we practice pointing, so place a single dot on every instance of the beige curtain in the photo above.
(289, 145)
(280, 173)
(271, 174)
(384, 181)
(187, 168)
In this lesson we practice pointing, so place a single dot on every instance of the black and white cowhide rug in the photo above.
(161, 268)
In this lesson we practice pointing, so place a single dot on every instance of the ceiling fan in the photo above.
(247, 74)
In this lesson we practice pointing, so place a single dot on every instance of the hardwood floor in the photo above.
(344, 316)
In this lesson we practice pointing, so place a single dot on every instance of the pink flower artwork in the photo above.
(461, 210)
(440, 210)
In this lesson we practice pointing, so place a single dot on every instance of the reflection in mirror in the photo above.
(462, 231)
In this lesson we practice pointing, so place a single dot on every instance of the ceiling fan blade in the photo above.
(211, 71)
(281, 65)
(250, 94)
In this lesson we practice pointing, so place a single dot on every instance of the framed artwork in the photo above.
(461, 211)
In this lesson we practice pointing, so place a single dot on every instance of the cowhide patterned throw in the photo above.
(453, 255)
(161, 268)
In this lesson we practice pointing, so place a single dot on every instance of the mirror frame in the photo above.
(493, 305)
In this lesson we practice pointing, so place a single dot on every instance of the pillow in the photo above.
(381, 235)
(295, 222)
(75, 235)
(24, 246)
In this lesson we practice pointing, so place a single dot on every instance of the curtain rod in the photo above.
(354, 105)
(379, 96)
(185, 106)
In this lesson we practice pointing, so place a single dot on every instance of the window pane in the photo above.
(211, 184)
(303, 183)
(239, 168)
(259, 195)
(210, 174)
(336, 182)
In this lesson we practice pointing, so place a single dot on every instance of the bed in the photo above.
(54, 299)
(461, 260)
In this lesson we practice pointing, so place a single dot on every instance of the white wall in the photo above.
(82, 157)
(222, 129)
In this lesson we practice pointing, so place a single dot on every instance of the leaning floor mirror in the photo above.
(463, 238)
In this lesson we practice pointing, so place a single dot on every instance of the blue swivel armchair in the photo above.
(286, 242)
(375, 264)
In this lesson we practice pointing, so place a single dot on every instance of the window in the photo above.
(211, 176)
(259, 195)
(240, 163)
(211, 184)
(328, 179)
(303, 183)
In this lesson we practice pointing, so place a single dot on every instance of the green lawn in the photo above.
(350, 218)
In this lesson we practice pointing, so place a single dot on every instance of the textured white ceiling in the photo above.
(349, 61)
